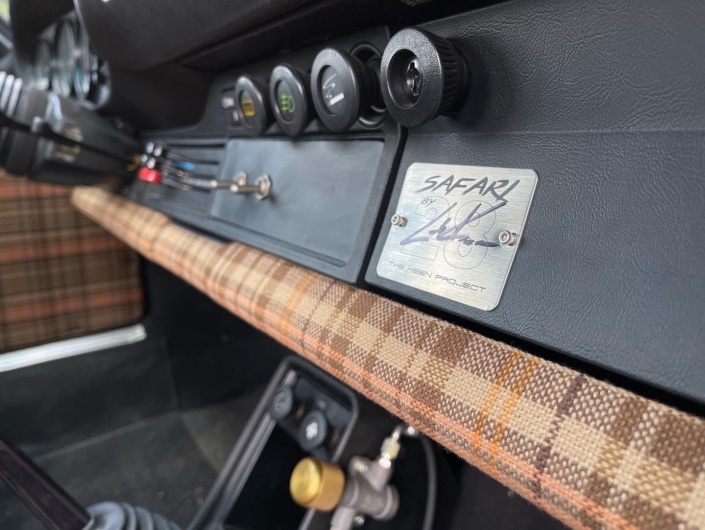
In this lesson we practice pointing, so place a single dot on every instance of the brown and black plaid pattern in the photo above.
(61, 275)
(591, 454)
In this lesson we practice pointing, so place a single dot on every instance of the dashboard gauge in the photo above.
(64, 59)
(86, 66)
(42, 65)
(91, 78)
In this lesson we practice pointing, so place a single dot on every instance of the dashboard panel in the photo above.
(484, 216)
(586, 278)
(333, 184)
(309, 151)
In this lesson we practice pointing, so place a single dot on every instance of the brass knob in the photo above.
(316, 484)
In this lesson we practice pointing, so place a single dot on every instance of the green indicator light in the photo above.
(286, 103)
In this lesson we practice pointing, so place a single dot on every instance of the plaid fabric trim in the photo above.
(61, 275)
(591, 454)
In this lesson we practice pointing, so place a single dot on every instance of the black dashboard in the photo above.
(586, 122)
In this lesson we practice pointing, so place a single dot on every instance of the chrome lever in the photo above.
(221, 184)
(164, 151)
(261, 188)
(185, 181)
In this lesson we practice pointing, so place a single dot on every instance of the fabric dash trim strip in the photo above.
(591, 454)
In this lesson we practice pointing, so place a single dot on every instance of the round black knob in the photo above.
(313, 431)
(251, 104)
(283, 403)
(422, 76)
(343, 88)
(290, 102)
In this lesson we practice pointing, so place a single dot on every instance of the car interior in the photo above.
(352, 264)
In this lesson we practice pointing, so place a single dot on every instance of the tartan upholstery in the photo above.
(591, 454)
(61, 275)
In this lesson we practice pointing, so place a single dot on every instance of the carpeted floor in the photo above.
(168, 463)
(484, 504)
(165, 464)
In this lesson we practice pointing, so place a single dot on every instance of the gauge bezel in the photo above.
(82, 77)
(62, 81)
(45, 82)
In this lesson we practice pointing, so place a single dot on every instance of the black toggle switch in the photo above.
(283, 404)
(343, 88)
(290, 101)
(314, 431)
(251, 105)
(422, 76)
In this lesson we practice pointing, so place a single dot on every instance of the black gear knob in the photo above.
(422, 76)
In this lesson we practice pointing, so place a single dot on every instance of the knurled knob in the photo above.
(422, 76)
(317, 484)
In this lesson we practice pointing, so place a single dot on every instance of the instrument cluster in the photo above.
(65, 62)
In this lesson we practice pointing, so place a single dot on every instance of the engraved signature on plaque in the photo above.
(457, 230)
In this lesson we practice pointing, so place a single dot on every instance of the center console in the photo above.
(315, 455)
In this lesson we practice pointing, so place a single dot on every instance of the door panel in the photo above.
(61, 275)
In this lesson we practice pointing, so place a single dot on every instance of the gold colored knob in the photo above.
(317, 484)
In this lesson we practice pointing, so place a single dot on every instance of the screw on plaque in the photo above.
(508, 239)
(398, 220)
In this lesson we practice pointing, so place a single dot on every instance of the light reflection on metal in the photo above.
(463, 226)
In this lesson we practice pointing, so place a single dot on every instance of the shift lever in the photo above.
(57, 510)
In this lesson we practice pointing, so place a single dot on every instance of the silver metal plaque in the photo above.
(457, 229)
